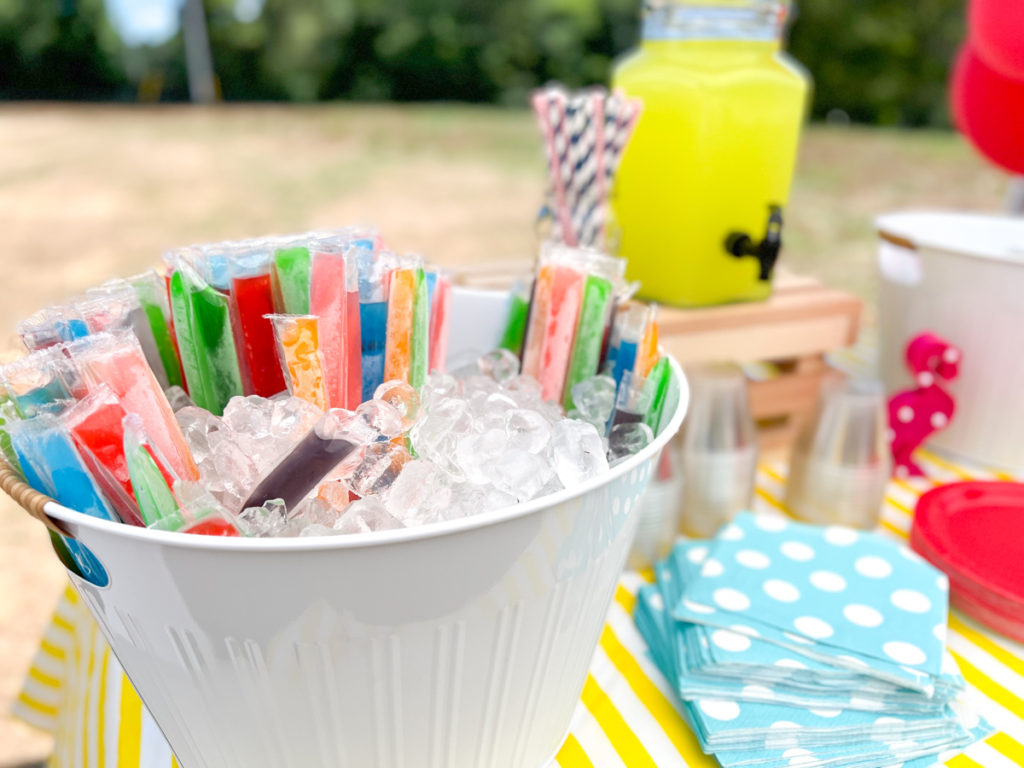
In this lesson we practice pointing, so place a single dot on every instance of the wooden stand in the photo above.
(782, 341)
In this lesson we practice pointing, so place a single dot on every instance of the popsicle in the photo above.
(563, 312)
(116, 359)
(95, 424)
(337, 437)
(586, 348)
(328, 298)
(647, 352)
(51, 326)
(419, 355)
(440, 314)
(632, 401)
(656, 387)
(298, 348)
(373, 319)
(515, 324)
(51, 464)
(151, 290)
(353, 331)
(151, 479)
(253, 297)
(538, 320)
(401, 311)
(42, 381)
(202, 321)
(631, 322)
(291, 279)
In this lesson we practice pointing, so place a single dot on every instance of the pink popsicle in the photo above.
(328, 300)
(566, 295)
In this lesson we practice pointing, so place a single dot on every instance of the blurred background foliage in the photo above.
(873, 61)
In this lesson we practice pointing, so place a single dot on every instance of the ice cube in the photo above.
(315, 529)
(249, 415)
(437, 433)
(527, 430)
(234, 465)
(421, 493)
(578, 452)
(178, 398)
(495, 406)
(401, 396)
(377, 469)
(382, 416)
(467, 499)
(626, 439)
(500, 364)
(438, 387)
(268, 520)
(198, 424)
(520, 473)
(525, 390)
(366, 515)
(594, 398)
(336, 493)
(315, 511)
(476, 452)
(291, 418)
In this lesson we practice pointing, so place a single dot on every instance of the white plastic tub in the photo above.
(961, 276)
(465, 643)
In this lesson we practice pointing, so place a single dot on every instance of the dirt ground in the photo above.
(87, 193)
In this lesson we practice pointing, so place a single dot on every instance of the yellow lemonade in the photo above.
(700, 195)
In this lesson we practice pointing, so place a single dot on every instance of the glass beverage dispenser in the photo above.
(701, 193)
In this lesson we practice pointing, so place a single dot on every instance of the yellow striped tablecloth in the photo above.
(627, 715)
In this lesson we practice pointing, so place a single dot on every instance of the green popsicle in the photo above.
(515, 324)
(586, 348)
(152, 293)
(202, 321)
(419, 358)
(291, 274)
(656, 392)
(152, 493)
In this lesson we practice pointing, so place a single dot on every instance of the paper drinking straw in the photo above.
(253, 296)
(328, 298)
(95, 423)
(419, 353)
(401, 307)
(339, 436)
(440, 315)
(116, 359)
(353, 326)
(566, 295)
(291, 279)
(151, 290)
(206, 340)
(586, 349)
(151, 481)
(298, 345)
(373, 319)
(51, 464)
(515, 322)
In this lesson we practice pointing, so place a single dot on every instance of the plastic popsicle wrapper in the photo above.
(373, 318)
(440, 315)
(656, 389)
(353, 329)
(96, 425)
(202, 321)
(253, 297)
(631, 321)
(44, 381)
(151, 478)
(338, 437)
(632, 401)
(151, 290)
(419, 354)
(291, 279)
(518, 313)
(647, 352)
(116, 359)
(51, 326)
(51, 464)
(328, 301)
(563, 312)
(298, 348)
(8, 413)
(586, 349)
(538, 321)
(401, 310)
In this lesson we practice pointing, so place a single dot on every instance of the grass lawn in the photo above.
(87, 193)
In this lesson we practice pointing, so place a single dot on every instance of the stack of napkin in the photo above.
(797, 645)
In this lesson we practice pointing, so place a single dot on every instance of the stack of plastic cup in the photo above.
(719, 453)
(841, 462)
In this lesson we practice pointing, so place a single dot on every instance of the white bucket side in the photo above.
(461, 644)
(975, 303)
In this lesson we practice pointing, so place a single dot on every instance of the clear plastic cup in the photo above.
(719, 450)
(841, 462)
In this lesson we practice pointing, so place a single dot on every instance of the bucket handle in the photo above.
(29, 499)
